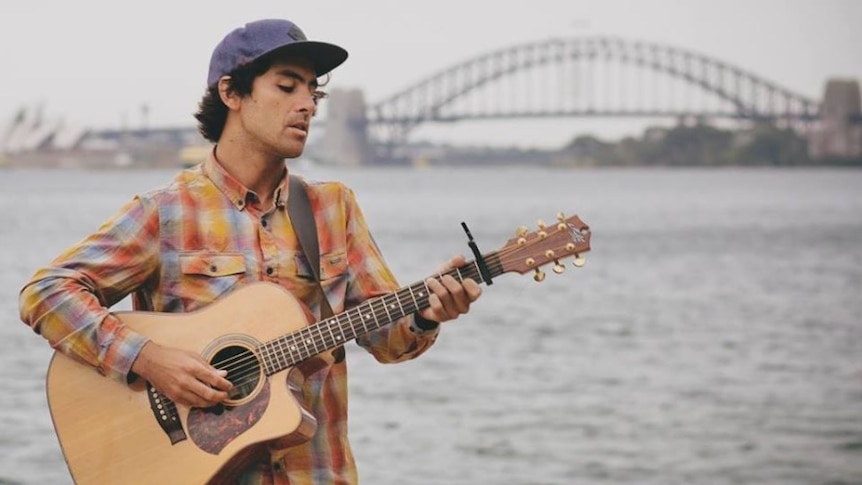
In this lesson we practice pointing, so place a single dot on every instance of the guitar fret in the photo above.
(299, 343)
(274, 352)
(287, 356)
(264, 356)
(398, 299)
(294, 354)
(478, 270)
(366, 316)
(269, 356)
(304, 340)
(336, 338)
(319, 327)
(374, 312)
(350, 325)
(310, 340)
(278, 352)
(413, 296)
(386, 309)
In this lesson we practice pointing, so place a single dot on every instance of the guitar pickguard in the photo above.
(213, 429)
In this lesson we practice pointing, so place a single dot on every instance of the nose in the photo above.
(307, 102)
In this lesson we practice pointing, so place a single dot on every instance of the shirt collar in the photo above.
(236, 192)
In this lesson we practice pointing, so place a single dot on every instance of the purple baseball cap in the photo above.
(256, 39)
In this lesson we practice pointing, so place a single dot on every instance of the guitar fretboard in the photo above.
(332, 332)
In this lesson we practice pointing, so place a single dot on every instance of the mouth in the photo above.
(301, 127)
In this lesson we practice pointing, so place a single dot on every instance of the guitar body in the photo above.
(111, 433)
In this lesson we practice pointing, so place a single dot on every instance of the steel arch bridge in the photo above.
(587, 77)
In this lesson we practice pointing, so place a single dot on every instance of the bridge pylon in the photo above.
(839, 130)
(345, 140)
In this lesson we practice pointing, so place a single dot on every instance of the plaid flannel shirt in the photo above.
(180, 247)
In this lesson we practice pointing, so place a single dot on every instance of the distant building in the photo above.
(34, 141)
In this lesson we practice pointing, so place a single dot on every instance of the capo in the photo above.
(480, 261)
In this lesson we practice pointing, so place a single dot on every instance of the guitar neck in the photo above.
(332, 332)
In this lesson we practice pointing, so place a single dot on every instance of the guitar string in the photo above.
(245, 364)
(378, 311)
(248, 362)
(297, 346)
(248, 367)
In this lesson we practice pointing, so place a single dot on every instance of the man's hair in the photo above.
(212, 112)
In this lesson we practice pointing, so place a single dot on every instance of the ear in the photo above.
(228, 96)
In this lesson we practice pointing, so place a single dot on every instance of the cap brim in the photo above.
(323, 56)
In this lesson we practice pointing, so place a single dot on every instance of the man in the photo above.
(223, 224)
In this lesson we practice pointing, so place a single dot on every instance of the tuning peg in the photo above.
(558, 268)
(539, 276)
(541, 224)
(521, 231)
(579, 261)
(561, 217)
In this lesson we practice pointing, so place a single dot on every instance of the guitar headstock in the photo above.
(529, 251)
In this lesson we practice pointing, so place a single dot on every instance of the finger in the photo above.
(473, 290)
(457, 301)
(454, 262)
(457, 260)
(210, 375)
(435, 310)
(186, 397)
(447, 309)
(208, 395)
(217, 380)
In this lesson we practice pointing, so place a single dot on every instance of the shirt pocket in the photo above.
(206, 276)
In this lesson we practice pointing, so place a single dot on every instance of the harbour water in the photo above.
(713, 337)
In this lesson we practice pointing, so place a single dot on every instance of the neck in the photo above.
(258, 171)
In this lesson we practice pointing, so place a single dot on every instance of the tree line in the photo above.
(697, 145)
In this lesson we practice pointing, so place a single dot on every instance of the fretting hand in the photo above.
(449, 297)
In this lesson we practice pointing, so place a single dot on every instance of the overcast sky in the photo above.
(96, 62)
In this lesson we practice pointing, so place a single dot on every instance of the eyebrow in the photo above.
(286, 72)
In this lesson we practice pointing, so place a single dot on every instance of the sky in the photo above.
(95, 63)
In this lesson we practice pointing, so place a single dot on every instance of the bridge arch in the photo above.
(735, 93)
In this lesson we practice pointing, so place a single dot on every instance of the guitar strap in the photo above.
(302, 218)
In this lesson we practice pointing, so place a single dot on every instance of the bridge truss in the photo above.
(587, 77)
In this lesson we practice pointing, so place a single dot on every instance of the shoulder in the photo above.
(330, 192)
(186, 181)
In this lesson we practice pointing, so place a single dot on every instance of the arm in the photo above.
(67, 301)
(370, 277)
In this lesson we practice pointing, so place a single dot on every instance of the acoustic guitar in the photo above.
(111, 433)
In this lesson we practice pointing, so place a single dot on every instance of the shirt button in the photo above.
(269, 270)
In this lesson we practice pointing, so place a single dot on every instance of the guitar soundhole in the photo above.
(244, 371)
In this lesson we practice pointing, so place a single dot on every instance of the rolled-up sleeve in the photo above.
(371, 277)
(68, 301)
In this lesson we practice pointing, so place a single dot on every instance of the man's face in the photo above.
(277, 114)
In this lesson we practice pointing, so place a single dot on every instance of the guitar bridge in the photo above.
(165, 412)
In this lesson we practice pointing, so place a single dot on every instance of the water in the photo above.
(713, 337)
